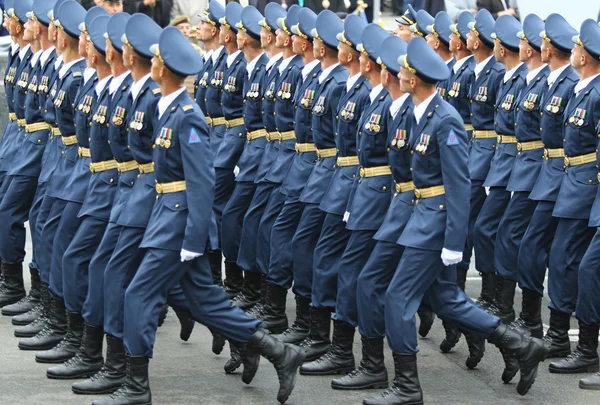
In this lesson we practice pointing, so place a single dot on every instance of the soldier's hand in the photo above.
(450, 257)
(186, 255)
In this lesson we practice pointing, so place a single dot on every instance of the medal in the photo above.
(555, 109)
(139, 126)
(394, 142)
(548, 108)
(451, 93)
(571, 119)
(279, 93)
(167, 144)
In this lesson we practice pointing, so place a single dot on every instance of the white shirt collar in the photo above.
(101, 85)
(207, 55)
(449, 61)
(46, 55)
(555, 73)
(252, 64)
(58, 62)
(166, 101)
(285, 63)
(375, 92)
(510, 73)
(231, 58)
(459, 63)
(531, 75)
(88, 74)
(325, 73)
(64, 69)
(479, 67)
(216, 53)
(14, 47)
(23, 51)
(116, 82)
(35, 58)
(274, 60)
(352, 81)
(136, 87)
(420, 109)
(308, 68)
(396, 104)
(582, 84)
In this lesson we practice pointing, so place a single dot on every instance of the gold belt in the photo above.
(272, 136)
(531, 145)
(479, 134)
(84, 152)
(40, 126)
(234, 123)
(580, 160)
(554, 153)
(261, 133)
(146, 167)
(69, 140)
(468, 127)
(166, 188)
(507, 139)
(56, 131)
(12, 116)
(216, 121)
(286, 136)
(305, 147)
(347, 161)
(22, 123)
(375, 171)
(325, 153)
(127, 166)
(208, 120)
(403, 187)
(103, 166)
(430, 192)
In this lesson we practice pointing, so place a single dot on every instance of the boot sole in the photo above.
(589, 387)
(378, 385)
(297, 364)
(343, 371)
(586, 369)
(25, 335)
(12, 302)
(53, 361)
(72, 377)
(543, 353)
(558, 354)
(101, 392)
(37, 348)
(15, 313)
(22, 323)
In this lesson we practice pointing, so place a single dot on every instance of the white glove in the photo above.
(236, 171)
(511, 194)
(487, 190)
(347, 3)
(186, 255)
(346, 217)
(450, 257)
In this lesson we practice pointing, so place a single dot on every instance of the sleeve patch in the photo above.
(452, 139)
(194, 137)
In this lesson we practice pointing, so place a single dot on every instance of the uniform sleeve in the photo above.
(197, 159)
(73, 89)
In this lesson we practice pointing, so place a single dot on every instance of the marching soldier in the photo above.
(438, 37)
(404, 22)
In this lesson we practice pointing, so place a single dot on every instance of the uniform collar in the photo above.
(325, 74)
(136, 87)
(308, 68)
(166, 101)
(34, 59)
(285, 63)
(58, 62)
(531, 75)
(207, 55)
(352, 81)
(459, 63)
(14, 47)
(88, 73)
(117, 81)
(101, 85)
(397, 103)
(420, 109)
(375, 92)
(508, 75)
(582, 84)
(46, 55)
(64, 69)
(231, 58)
(252, 64)
(555, 73)
(274, 60)
(480, 66)
(216, 53)
(23, 51)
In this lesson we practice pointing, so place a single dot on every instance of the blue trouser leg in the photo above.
(281, 261)
(159, 272)
(372, 284)
(263, 242)
(573, 236)
(303, 248)
(248, 240)
(477, 200)
(34, 215)
(14, 212)
(216, 137)
(588, 299)
(93, 307)
(328, 252)
(66, 225)
(4, 183)
(421, 273)
(224, 185)
(535, 247)
(2, 177)
(176, 298)
(118, 274)
(76, 261)
(486, 226)
(43, 250)
(233, 218)
(511, 229)
(359, 248)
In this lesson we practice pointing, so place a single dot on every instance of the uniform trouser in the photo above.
(159, 272)
(568, 247)
(328, 252)
(63, 221)
(224, 185)
(4, 183)
(420, 274)
(93, 307)
(34, 216)
(372, 284)
(477, 199)
(76, 261)
(248, 240)
(2, 177)
(588, 299)
(284, 228)
(486, 226)
(14, 212)
(535, 247)
(233, 218)
(512, 227)
(263, 240)
(357, 253)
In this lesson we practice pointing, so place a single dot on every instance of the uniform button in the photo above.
(112, 180)
(153, 146)
(336, 117)
(139, 176)
(109, 142)
(411, 169)
(565, 141)
(132, 183)
(176, 205)
(157, 197)
(515, 124)
(497, 109)
(395, 195)
(471, 115)
(517, 108)
(589, 181)
(412, 152)
(384, 188)
(417, 202)
(359, 150)
(62, 153)
(541, 129)
(441, 206)
(39, 141)
(388, 149)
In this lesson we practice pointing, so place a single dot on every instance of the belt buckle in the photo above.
(546, 154)
(499, 138)
(417, 193)
(519, 146)
(318, 154)
(92, 168)
(599, 177)
(159, 188)
(567, 161)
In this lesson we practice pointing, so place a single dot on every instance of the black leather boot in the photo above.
(30, 301)
(530, 318)
(53, 332)
(274, 318)
(528, 351)
(12, 288)
(317, 342)
(68, 346)
(452, 337)
(234, 279)
(591, 382)
(584, 358)
(371, 372)
(505, 297)
(249, 358)
(461, 277)
(163, 315)
(558, 334)
(250, 291)
(476, 350)
(285, 357)
(406, 388)
(87, 361)
(218, 343)
(235, 356)
(36, 325)
(187, 324)
(258, 310)
(426, 317)
(300, 328)
(136, 389)
(339, 359)
(112, 374)
(215, 260)
(37, 311)
(488, 290)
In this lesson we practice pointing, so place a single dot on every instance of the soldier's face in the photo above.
(83, 45)
(524, 50)
(156, 69)
(265, 38)
(185, 29)
(365, 63)
(297, 44)
(577, 57)
(224, 33)
(14, 28)
(28, 34)
(403, 32)
(431, 40)
(471, 39)
(405, 80)
(454, 42)
(281, 38)
(545, 50)
(112, 8)
(128, 55)
(52, 32)
(498, 51)
(318, 48)
(344, 54)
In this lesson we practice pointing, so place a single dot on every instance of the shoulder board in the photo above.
(77, 74)
(156, 91)
(187, 107)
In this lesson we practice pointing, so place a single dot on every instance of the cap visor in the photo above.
(154, 49)
(401, 60)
